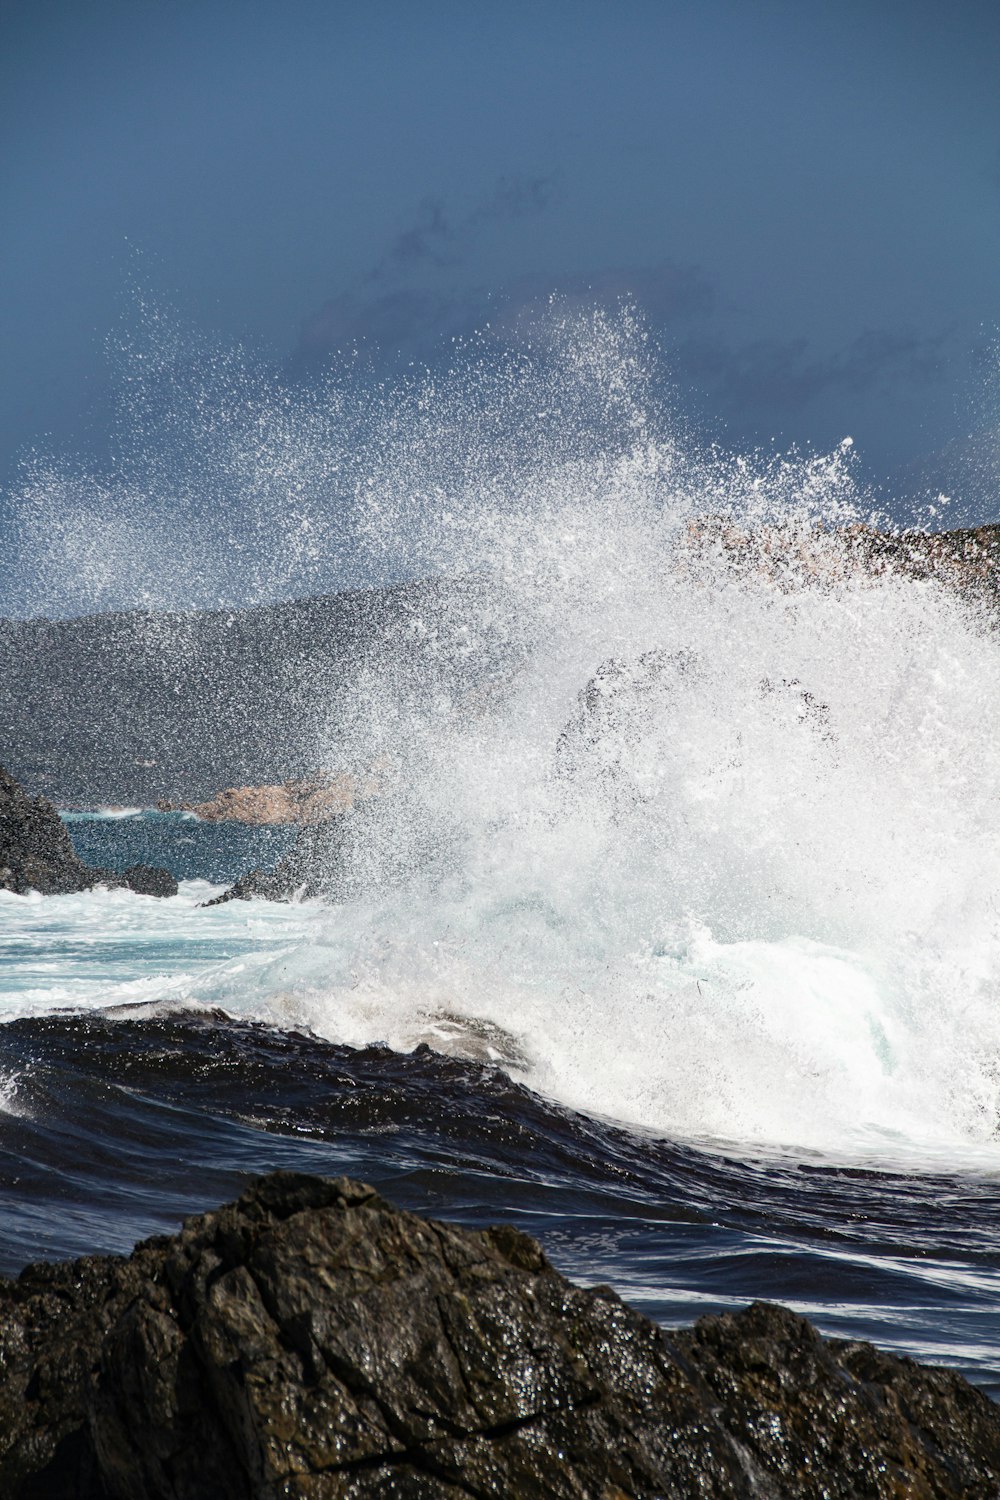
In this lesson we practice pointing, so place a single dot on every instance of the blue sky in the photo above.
(804, 198)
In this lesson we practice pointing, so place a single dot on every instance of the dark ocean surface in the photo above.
(121, 1112)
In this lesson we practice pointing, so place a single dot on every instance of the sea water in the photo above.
(676, 933)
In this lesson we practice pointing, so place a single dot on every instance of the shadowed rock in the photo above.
(314, 868)
(150, 880)
(310, 1341)
(36, 853)
(377, 846)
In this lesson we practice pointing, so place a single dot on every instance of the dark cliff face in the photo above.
(36, 853)
(131, 707)
(310, 1341)
(134, 706)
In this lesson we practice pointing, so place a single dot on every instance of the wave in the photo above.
(100, 814)
(690, 809)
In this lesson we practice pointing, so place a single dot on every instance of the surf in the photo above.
(684, 803)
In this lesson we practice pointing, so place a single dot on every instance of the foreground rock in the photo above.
(310, 1341)
(36, 853)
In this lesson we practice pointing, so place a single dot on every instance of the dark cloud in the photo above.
(437, 238)
(410, 322)
(423, 241)
(775, 375)
(402, 314)
(515, 198)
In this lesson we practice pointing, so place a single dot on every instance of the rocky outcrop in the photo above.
(128, 707)
(36, 853)
(966, 560)
(311, 1342)
(313, 869)
(378, 846)
(149, 880)
(306, 801)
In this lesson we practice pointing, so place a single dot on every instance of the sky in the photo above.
(802, 198)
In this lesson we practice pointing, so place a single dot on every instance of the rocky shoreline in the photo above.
(311, 1341)
(36, 853)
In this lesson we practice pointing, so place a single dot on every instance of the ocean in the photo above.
(154, 1054)
(672, 928)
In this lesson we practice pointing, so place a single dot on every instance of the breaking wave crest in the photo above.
(689, 809)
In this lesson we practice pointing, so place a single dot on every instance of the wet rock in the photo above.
(150, 880)
(311, 869)
(35, 849)
(310, 1341)
(379, 845)
(36, 853)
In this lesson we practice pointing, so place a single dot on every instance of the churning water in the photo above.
(684, 862)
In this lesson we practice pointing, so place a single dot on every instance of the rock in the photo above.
(35, 849)
(377, 846)
(150, 880)
(36, 853)
(307, 872)
(310, 800)
(966, 560)
(311, 1342)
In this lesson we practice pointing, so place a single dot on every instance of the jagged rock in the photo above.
(36, 853)
(966, 560)
(311, 1342)
(311, 869)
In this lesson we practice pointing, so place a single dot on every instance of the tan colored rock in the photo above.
(795, 555)
(310, 800)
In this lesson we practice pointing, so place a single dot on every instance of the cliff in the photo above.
(132, 707)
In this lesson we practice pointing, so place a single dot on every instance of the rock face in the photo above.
(311, 1342)
(149, 880)
(36, 853)
(127, 707)
(965, 560)
(312, 869)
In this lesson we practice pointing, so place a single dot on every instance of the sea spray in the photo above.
(687, 813)
(761, 902)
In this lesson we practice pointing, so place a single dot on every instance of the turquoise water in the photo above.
(187, 847)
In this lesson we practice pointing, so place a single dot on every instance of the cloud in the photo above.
(409, 322)
(515, 198)
(422, 241)
(399, 310)
(436, 238)
(784, 375)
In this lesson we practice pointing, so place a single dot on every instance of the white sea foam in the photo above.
(750, 892)
(106, 950)
(99, 814)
